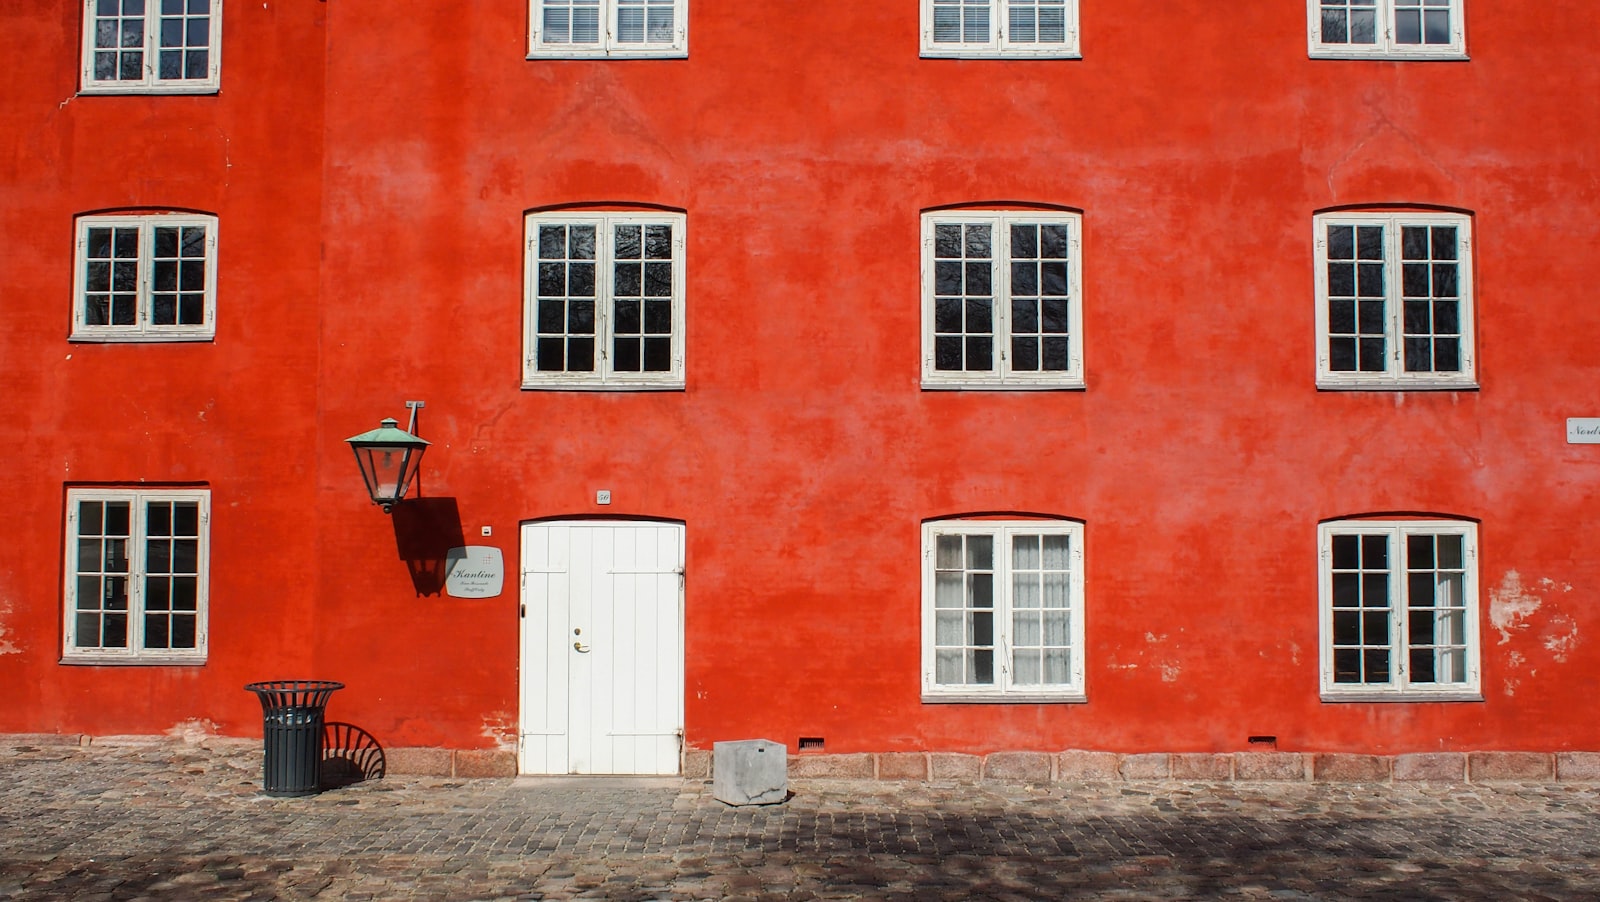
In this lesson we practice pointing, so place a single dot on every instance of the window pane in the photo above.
(1057, 666)
(1025, 667)
(950, 590)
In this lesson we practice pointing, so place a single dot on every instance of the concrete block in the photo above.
(749, 772)
(903, 766)
(1152, 766)
(1578, 766)
(1269, 766)
(485, 763)
(1202, 767)
(696, 764)
(1497, 766)
(1341, 768)
(955, 767)
(1075, 766)
(831, 767)
(1435, 767)
(426, 761)
(1017, 767)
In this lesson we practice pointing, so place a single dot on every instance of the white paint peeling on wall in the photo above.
(1170, 672)
(193, 731)
(1510, 605)
(7, 647)
(1562, 637)
(501, 729)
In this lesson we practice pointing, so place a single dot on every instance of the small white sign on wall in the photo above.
(1583, 431)
(474, 571)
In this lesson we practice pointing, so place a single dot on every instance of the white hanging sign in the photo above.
(474, 571)
(1583, 431)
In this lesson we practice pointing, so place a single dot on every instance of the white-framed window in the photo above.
(1387, 29)
(145, 278)
(571, 29)
(137, 574)
(1002, 610)
(1000, 28)
(1399, 610)
(605, 300)
(152, 46)
(1001, 300)
(1394, 301)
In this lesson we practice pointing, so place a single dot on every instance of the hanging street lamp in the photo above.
(389, 457)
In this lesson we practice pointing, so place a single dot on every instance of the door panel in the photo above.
(602, 648)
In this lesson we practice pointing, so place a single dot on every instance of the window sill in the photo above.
(1392, 384)
(977, 385)
(993, 54)
(110, 91)
(1409, 696)
(1411, 56)
(139, 337)
(603, 386)
(1010, 698)
(79, 659)
(670, 53)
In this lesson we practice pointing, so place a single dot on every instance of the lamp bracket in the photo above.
(414, 406)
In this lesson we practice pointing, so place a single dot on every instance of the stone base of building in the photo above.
(1076, 766)
(1072, 766)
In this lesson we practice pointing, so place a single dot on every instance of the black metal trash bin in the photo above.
(291, 733)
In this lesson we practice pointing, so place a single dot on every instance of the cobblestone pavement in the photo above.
(182, 821)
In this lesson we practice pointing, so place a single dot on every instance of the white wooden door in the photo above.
(602, 648)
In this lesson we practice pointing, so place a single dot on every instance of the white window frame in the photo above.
(1388, 46)
(999, 43)
(136, 554)
(143, 328)
(152, 83)
(603, 378)
(1395, 376)
(609, 46)
(1400, 688)
(1003, 689)
(1002, 375)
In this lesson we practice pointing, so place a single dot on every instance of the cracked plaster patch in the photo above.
(1510, 605)
(1563, 639)
(7, 647)
(500, 729)
(193, 731)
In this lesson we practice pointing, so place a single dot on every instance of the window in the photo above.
(1000, 28)
(136, 575)
(605, 301)
(152, 46)
(608, 28)
(1399, 610)
(146, 278)
(1001, 300)
(1002, 610)
(1387, 29)
(1394, 300)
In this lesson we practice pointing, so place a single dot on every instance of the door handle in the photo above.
(580, 647)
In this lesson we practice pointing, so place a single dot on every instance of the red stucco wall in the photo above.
(371, 169)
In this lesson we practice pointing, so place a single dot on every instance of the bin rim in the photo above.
(292, 685)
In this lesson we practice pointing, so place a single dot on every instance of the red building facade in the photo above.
(1130, 377)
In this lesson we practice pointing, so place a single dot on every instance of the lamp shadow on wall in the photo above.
(425, 529)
